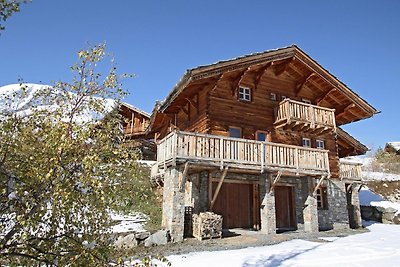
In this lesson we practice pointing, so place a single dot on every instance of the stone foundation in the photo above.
(308, 216)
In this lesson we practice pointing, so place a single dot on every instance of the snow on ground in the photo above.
(369, 198)
(379, 247)
(128, 223)
(366, 197)
(379, 176)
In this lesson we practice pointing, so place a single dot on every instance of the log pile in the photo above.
(207, 225)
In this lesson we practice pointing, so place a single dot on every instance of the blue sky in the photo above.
(357, 41)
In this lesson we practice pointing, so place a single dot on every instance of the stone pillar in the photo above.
(173, 204)
(267, 209)
(355, 203)
(310, 212)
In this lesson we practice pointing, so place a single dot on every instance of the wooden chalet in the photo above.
(135, 126)
(257, 139)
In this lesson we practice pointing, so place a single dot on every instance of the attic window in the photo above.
(272, 96)
(244, 93)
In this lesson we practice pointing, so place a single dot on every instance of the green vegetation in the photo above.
(60, 174)
(387, 162)
(8, 7)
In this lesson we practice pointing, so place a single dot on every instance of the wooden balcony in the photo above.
(129, 130)
(299, 116)
(350, 171)
(244, 154)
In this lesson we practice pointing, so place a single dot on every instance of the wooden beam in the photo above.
(236, 81)
(344, 110)
(300, 85)
(220, 77)
(278, 176)
(184, 176)
(281, 68)
(193, 103)
(218, 187)
(318, 185)
(323, 96)
(259, 75)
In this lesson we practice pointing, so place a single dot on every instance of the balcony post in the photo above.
(310, 211)
(174, 147)
(173, 203)
(267, 208)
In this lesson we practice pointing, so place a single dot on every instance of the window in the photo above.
(235, 132)
(244, 93)
(322, 199)
(283, 97)
(320, 144)
(306, 142)
(306, 101)
(261, 136)
(272, 96)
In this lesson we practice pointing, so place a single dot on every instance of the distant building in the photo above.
(393, 147)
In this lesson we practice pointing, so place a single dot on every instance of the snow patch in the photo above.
(379, 247)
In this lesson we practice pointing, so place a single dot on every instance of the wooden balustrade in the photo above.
(246, 153)
(132, 130)
(350, 170)
(304, 117)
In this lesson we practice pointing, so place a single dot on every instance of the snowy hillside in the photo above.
(23, 98)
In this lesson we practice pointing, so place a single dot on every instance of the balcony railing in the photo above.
(350, 170)
(304, 117)
(243, 153)
(134, 130)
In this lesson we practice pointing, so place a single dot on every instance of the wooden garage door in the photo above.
(284, 208)
(235, 204)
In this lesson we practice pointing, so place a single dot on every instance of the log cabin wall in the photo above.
(191, 115)
(226, 110)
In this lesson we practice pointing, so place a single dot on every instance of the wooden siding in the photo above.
(246, 154)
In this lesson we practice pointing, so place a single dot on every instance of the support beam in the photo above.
(184, 176)
(193, 103)
(314, 193)
(236, 81)
(278, 176)
(220, 77)
(325, 95)
(218, 187)
(282, 67)
(344, 110)
(300, 85)
(259, 75)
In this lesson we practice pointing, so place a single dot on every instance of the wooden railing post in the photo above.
(263, 145)
(297, 155)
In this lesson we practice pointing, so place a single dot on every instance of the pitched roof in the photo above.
(394, 145)
(215, 69)
(344, 137)
(129, 106)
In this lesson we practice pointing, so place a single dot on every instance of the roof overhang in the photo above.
(354, 108)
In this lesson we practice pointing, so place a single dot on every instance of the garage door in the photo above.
(235, 203)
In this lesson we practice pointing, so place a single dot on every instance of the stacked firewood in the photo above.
(207, 225)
